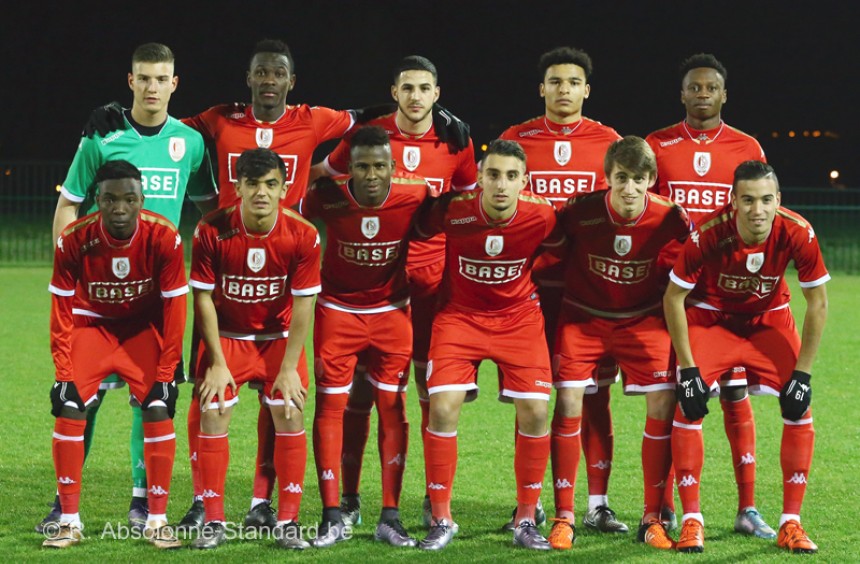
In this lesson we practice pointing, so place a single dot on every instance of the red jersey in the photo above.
(99, 280)
(364, 266)
(254, 276)
(294, 136)
(488, 264)
(698, 174)
(612, 268)
(726, 274)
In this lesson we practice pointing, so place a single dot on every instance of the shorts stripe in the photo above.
(229, 403)
(452, 388)
(635, 389)
(269, 401)
(332, 390)
(386, 387)
(525, 395)
(807, 421)
(573, 384)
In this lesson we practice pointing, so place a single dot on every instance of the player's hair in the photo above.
(415, 62)
(565, 56)
(754, 170)
(700, 61)
(504, 148)
(369, 136)
(152, 53)
(633, 153)
(274, 46)
(116, 170)
(256, 163)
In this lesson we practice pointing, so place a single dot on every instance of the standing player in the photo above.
(731, 273)
(491, 312)
(695, 163)
(118, 307)
(417, 148)
(364, 310)
(612, 298)
(173, 161)
(565, 154)
(255, 272)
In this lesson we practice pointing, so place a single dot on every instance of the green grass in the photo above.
(484, 488)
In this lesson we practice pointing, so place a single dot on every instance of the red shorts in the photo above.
(258, 361)
(339, 338)
(766, 345)
(640, 345)
(515, 342)
(424, 290)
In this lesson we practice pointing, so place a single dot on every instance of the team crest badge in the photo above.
(702, 163)
(370, 227)
(121, 267)
(623, 244)
(176, 148)
(754, 262)
(264, 137)
(411, 157)
(494, 245)
(256, 259)
(562, 152)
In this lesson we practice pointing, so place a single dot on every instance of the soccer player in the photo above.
(255, 272)
(696, 159)
(118, 307)
(173, 162)
(565, 154)
(418, 149)
(491, 312)
(364, 310)
(612, 309)
(731, 275)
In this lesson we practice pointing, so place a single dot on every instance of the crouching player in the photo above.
(118, 307)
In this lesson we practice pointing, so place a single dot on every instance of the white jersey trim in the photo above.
(60, 292)
(815, 283)
(174, 293)
(330, 169)
(467, 188)
(682, 283)
(71, 197)
(312, 291)
(362, 311)
(88, 313)
(198, 285)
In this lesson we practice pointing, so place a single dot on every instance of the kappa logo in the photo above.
(65, 480)
(747, 458)
(562, 152)
(798, 478)
(534, 486)
(157, 490)
(694, 236)
(193, 456)
(562, 483)
(210, 493)
(602, 464)
(702, 163)
(121, 267)
(397, 460)
(435, 486)
(327, 474)
(293, 488)
(176, 148)
(60, 243)
(811, 234)
(178, 241)
(687, 481)
(264, 137)
(140, 464)
(411, 157)
(671, 142)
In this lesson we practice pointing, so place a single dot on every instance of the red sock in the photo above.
(656, 460)
(598, 440)
(264, 474)
(328, 445)
(68, 449)
(425, 422)
(193, 455)
(669, 492)
(795, 456)
(688, 454)
(159, 451)
(356, 429)
(440, 463)
(213, 456)
(740, 430)
(530, 457)
(566, 440)
(393, 442)
(291, 453)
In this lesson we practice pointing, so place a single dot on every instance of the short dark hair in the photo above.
(256, 163)
(152, 53)
(369, 136)
(415, 62)
(633, 153)
(274, 46)
(117, 170)
(702, 60)
(754, 170)
(565, 56)
(504, 148)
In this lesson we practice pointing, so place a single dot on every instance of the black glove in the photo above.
(104, 119)
(692, 394)
(63, 392)
(450, 129)
(364, 115)
(162, 391)
(796, 395)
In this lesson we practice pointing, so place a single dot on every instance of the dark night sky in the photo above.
(790, 63)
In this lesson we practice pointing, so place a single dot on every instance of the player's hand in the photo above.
(215, 383)
(289, 384)
(165, 392)
(692, 394)
(367, 113)
(104, 119)
(796, 395)
(62, 392)
(450, 129)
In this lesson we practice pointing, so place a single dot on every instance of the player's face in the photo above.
(755, 203)
(502, 177)
(628, 190)
(703, 93)
(261, 196)
(270, 78)
(371, 169)
(119, 202)
(564, 89)
(415, 92)
(152, 84)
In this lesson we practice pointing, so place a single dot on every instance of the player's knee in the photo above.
(568, 402)
(661, 404)
(532, 416)
(72, 413)
(154, 414)
(733, 393)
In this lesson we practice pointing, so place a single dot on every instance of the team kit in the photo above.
(571, 257)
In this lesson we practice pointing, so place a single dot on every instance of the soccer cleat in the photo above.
(669, 519)
(654, 534)
(138, 512)
(563, 534)
(350, 509)
(212, 535)
(162, 537)
(439, 536)
(194, 518)
(289, 536)
(261, 517)
(66, 535)
(692, 537)
(540, 518)
(329, 533)
(603, 519)
(393, 532)
(750, 522)
(52, 519)
(527, 535)
(794, 538)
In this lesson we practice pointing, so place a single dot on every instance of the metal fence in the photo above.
(29, 190)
